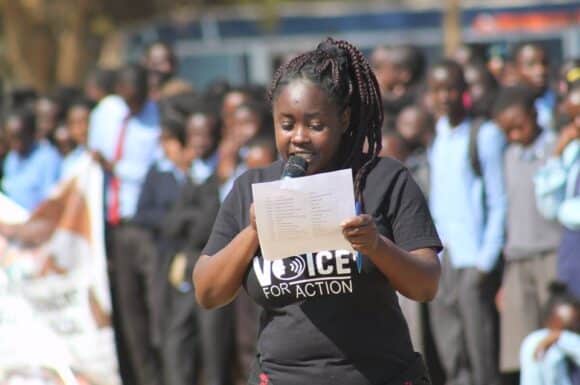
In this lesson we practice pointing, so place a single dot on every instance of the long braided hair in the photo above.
(343, 72)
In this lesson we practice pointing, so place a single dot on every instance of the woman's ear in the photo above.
(345, 119)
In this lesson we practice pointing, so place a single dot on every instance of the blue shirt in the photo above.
(552, 368)
(469, 212)
(545, 106)
(556, 187)
(28, 180)
(140, 147)
(226, 187)
(202, 169)
(167, 166)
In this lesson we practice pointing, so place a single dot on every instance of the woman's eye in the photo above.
(286, 126)
(316, 126)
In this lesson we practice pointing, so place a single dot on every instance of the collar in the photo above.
(211, 161)
(167, 166)
(444, 127)
(202, 169)
(548, 99)
(33, 147)
(539, 149)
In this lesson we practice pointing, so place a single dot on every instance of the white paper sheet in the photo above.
(302, 215)
(12, 213)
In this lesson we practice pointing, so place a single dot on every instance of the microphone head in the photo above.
(295, 167)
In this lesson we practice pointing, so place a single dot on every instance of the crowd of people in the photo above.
(493, 143)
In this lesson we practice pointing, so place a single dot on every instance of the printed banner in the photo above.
(55, 306)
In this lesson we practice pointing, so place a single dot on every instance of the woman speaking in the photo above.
(323, 321)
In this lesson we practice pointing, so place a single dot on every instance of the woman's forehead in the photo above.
(303, 93)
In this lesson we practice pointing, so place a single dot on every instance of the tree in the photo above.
(49, 42)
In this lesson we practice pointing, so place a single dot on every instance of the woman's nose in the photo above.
(300, 135)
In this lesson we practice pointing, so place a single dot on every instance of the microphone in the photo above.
(295, 167)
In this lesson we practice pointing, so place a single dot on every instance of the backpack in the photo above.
(473, 152)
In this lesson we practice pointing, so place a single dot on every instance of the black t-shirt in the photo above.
(323, 322)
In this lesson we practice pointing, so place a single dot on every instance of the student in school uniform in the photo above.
(531, 240)
(469, 208)
(551, 355)
(187, 226)
(124, 139)
(557, 187)
(164, 183)
(532, 67)
(32, 166)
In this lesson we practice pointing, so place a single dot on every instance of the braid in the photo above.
(371, 107)
(345, 74)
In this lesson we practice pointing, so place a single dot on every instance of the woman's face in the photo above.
(172, 148)
(518, 124)
(446, 90)
(200, 137)
(78, 124)
(18, 138)
(476, 85)
(245, 125)
(308, 124)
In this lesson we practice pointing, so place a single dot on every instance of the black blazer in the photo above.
(159, 193)
(191, 218)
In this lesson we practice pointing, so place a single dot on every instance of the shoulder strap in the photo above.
(473, 150)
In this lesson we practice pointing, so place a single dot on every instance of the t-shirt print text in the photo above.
(309, 275)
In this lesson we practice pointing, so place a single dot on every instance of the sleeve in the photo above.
(569, 344)
(412, 224)
(208, 208)
(569, 213)
(193, 214)
(50, 174)
(531, 369)
(182, 213)
(550, 186)
(148, 212)
(227, 223)
(491, 145)
(555, 185)
(93, 142)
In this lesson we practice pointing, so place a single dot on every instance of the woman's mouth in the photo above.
(307, 156)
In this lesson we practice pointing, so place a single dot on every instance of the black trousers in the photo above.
(217, 344)
(464, 327)
(132, 257)
(247, 321)
(179, 338)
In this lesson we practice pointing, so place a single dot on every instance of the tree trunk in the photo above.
(30, 47)
(452, 26)
(72, 58)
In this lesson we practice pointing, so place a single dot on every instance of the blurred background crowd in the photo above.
(489, 127)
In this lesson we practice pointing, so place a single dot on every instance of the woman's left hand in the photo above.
(361, 232)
